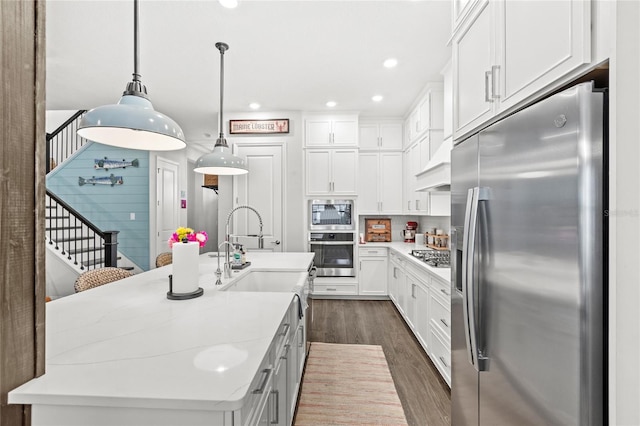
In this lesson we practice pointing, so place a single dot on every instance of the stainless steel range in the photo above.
(434, 258)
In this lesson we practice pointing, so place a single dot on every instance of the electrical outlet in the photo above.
(132, 216)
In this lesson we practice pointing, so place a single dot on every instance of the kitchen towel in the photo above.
(185, 267)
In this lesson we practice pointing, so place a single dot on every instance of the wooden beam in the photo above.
(22, 188)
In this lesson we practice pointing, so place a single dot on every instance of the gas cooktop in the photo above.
(434, 258)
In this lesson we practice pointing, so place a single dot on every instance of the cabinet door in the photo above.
(318, 171)
(422, 316)
(436, 109)
(538, 43)
(344, 170)
(409, 182)
(390, 182)
(440, 203)
(414, 123)
(369, 137)
(472, 60)
(410, 301)
(447, 102)
(392, 284)
(345, 131)
(390, 136)
(372, 276)
(424, 111)
(368, 178)
(317, 132)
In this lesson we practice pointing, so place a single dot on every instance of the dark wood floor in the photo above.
(424, 395)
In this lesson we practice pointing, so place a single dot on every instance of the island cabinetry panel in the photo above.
(372, 271)
(508, 52)
(338, 130)
(331, 171)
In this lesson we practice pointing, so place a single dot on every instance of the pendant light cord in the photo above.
(135, 87)
(136, 41)
(222, 47)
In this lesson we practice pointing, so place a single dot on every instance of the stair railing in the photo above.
(77, 238)
(64, 141)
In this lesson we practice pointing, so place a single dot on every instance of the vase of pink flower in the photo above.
(184, 234)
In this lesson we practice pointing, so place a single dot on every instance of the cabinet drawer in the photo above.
(441, 355)
(335, 289)
(374, 251)
(441, 287)
(440, 316)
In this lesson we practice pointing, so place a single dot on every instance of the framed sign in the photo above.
(258, 127)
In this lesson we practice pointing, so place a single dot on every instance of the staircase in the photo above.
(70, 234)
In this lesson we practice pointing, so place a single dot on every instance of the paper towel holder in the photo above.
(182, 296)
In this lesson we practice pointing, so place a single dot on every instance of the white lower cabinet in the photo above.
(423, 300)
(395, 276)
(372, 271)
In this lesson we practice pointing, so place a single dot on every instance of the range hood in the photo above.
(436, 176)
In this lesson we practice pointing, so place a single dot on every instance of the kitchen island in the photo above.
(124, 354)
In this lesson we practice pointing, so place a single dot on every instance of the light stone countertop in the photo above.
(125, 344)
(404, 249)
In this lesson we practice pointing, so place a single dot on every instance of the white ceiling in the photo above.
(285, 55)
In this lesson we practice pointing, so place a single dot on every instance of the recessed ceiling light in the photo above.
(377, 98)
(229, 4)
(207, 135)
(331, 104)
(390, 63)
(254, 105)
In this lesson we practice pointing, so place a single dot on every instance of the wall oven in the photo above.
(331, 215)
(334, 253)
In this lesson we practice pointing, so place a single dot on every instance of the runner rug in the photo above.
(346, 385)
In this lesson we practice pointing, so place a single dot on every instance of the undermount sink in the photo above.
(274, 281)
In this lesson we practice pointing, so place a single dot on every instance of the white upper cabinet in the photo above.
(428, 113)
(447, 113)
(331, 171)
(508, 52)
(472, 61)
(380, 183)
(380, 135)
(539, 43)
(339, 130)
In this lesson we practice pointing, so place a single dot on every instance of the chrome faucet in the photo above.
(228, 236)
(227, 264)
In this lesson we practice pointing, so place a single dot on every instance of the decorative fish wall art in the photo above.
(110, 180)
(107, 164)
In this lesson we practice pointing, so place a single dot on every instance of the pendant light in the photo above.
(132, 122)
(221, 161)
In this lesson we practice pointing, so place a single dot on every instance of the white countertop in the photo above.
(404, 249)
(125, 344)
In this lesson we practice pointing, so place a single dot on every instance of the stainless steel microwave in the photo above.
(331, 215)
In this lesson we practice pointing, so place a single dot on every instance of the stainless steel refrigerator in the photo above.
(528, 265)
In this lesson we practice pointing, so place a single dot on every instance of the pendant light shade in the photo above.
(221, 161)
(132, 122)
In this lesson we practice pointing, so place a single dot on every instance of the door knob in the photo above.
(276, 242)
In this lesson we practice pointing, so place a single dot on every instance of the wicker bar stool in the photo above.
(97, 277)
(164, 259)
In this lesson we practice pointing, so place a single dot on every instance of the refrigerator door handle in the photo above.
(469, 285)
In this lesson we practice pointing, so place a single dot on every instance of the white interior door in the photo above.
(262, 189)
(167, 212)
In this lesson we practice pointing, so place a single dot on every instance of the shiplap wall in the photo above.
(110, 207)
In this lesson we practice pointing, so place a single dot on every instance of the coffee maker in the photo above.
(409, 232)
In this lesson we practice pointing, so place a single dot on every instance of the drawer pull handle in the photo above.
(443, 361)
(286, 352)
(332, 289)
(286, 330)
(276, 405)
(445, 291)
(444, 322)
(266, 372)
